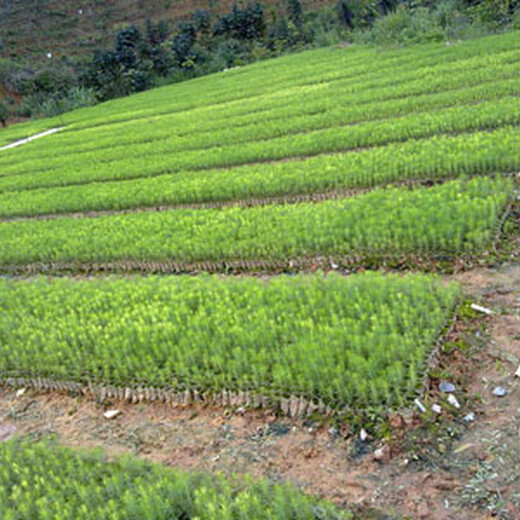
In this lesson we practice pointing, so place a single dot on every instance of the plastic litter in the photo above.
(447, 388)
(453, 401)
(481, 309)
(111, 414)
(420, 405)
(499, 391)
(436, 408)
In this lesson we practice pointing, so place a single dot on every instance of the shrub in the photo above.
(403, 27)
(42, 105)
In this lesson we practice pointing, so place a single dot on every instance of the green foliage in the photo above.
(295, 13)
(385, 223)
(46, 481)
(359, 341)
(495, 14)
(404, 27)
(243, 23)
(41, 105)
(345, 14)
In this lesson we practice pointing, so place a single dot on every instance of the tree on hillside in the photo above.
(4, 114)
(345, 15)
(156, 33)
(182, 45)
(202, 21)
(128, 41)
(295, 13)
(247, 23)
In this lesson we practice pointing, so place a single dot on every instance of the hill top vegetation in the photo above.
(135, 48)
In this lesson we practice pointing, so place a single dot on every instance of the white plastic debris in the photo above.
(111, 414)
(420, 406)
(382, 454)
(446, 388)
(20, 392)
(436, 408)
(470, 417)
(453, 401)
(517, 373)
(363, 435)
(499, 391)
(484, 310)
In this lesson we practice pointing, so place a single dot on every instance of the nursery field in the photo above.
(359, 155)
(343, 159)
(43, 480)
(354, 342)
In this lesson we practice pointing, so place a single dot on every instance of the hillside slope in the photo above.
(30, 29)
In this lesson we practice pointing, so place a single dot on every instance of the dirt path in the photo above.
(31, 138)
(438, 468)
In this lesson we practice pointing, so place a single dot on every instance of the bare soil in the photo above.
(428, 466)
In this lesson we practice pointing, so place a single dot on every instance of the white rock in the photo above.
(111, 414)
(484, 310)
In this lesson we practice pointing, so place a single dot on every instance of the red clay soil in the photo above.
(434, 467)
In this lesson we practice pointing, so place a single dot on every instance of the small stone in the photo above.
(241, 410)
(111, 414)
(470, 417)
(20, 392)
(453, 401)
(436, 408)
(363, 435)
(481, 309)
(420, 405)
(446, 388)
(499, 391)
